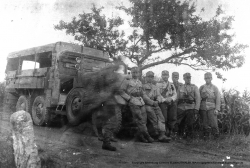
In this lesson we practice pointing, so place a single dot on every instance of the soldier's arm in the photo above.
(123, 90)
(146, 99)
(160, 98)
(174, 97)
(217, 98)
(197, 98)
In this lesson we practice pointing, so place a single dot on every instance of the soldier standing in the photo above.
(188, 105)
(210, 106)
(177, 85)
(153, 110)
(168, 105)
(135, 97)
(175, 78)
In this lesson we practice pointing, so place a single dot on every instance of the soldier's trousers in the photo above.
(156, 118)
(209, 121)
(169, 113)
(185, 118)
(110, 120)
(139, 116)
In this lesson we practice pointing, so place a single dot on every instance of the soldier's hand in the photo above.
(216, 112)
(155, 103)
(196, 111)
(168, 100)
(138, 116)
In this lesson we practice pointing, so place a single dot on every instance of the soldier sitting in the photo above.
(153, 110)
(135, 97)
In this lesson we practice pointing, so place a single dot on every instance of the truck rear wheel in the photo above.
(23, 103)
(40, 114)
(74, 106)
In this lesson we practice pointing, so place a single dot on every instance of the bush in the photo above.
(2, 93)
(234, 117)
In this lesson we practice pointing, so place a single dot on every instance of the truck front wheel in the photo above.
(23, 103)
(74, 106)
(40, 114)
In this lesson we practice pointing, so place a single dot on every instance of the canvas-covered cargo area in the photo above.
(28, 71)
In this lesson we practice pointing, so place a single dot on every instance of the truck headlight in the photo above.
(78, 60)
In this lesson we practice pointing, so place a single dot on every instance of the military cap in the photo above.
(208, 74)
(175, 74)
(150, 73)
(187, 75)
(134, 69)
(165, 72)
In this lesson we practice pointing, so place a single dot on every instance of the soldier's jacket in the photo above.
(210, 97)
(167, 90)
(134, 88)
(177, 87)
(188, 97)
(152, 92)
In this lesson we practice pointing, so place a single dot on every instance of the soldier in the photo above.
(210, 106)
(153, 110)
(175, 78)
(135, 97)
(177, 85)
(168, 105)
(188, 105)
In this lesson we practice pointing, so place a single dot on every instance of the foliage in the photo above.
(234, 117)
(96, 31)
(168, 26)
(2, 93)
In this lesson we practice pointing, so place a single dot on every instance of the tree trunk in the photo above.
(25, 149)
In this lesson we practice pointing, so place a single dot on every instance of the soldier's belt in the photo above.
(208, 100)
(136, 94)
(181, 101)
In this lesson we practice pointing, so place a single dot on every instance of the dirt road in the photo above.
(61, 147)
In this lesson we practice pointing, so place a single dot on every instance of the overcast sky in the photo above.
(29, 23)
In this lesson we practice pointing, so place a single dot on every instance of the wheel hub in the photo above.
(76, 105)
(39, 109)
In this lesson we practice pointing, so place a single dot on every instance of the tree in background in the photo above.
(168, 26)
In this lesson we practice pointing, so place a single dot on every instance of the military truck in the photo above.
(44, 80)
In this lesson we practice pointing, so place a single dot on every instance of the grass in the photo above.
(237, 145)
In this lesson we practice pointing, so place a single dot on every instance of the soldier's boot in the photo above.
(189, 134)
(148, 137)
(163, 138)
(107, 145)
(113, 139)
(140, 138)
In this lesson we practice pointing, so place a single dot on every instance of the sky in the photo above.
(30, 23)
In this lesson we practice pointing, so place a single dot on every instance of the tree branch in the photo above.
(167, 59)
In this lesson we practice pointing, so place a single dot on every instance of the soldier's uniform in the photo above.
(136, 97)
(167, 90)
(188, 106)
(210, 101)
(154, 113)
(177, 84)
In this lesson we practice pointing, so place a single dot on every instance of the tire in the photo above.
(23, 103)
(40, 113)
(74, 106)
(119, 119)
(10, 102)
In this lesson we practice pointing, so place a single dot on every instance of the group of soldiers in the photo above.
(170, 107)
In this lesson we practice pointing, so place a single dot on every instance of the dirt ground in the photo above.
(77, 147)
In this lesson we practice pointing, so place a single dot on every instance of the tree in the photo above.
(168, 26)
